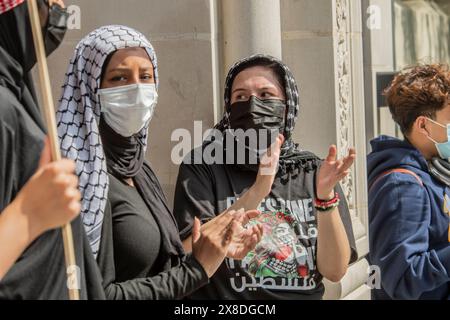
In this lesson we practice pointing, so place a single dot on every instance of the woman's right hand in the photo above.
(268, 168)
(224, 236)
(50, 198)
(208, 246)
(210, 242)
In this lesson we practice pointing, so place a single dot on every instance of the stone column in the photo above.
(250, 26)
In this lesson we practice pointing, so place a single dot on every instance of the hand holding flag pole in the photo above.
(49, 112)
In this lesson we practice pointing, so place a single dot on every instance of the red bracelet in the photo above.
(324, 205)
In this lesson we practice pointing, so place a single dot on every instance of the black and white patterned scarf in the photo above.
(291, 156)
(79, 113)
(440, 169)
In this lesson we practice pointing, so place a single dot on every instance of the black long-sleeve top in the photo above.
(130, 251)
(40, 272)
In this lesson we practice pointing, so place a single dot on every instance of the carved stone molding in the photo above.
(344, 91)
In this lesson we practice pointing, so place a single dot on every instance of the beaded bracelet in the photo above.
(322, 205)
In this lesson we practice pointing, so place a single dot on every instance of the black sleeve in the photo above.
(21, 143)
(176, 283)
(8, 163)
(40, 272)
(194, 197)
(347, 221)
(94, 283)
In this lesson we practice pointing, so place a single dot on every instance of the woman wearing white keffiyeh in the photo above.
(79, 114)
(104, 102)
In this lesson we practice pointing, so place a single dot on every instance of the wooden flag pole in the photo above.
(49, 111)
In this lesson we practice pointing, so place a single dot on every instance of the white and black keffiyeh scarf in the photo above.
(79, 113)
(440, 169)
(291, 156)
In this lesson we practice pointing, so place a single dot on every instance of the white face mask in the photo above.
(127, 109)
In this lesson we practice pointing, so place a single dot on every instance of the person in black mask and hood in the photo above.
(307, 229)
(31, 204)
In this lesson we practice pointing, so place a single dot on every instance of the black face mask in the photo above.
(267, 117)
(16, 36)
(54, 31)
(258, 114)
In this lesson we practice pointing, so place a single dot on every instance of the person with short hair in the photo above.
(409, 196)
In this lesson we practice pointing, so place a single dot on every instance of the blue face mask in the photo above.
(444, 147)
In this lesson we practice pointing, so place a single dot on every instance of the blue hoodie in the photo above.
(408, 224)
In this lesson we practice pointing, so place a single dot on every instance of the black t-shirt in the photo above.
(130, 251)
(283, 264)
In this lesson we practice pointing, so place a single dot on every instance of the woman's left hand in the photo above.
(332, 171)
(245, 239)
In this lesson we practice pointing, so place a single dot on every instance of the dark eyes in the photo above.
(266, 95)
(120, 78)
(146, 76)
(241, 97)
(263, 95)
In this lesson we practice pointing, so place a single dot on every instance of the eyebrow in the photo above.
(128, 69)
(263, 88)
(239, 89)
(268, 87)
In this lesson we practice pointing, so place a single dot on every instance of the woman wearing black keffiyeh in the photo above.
(107, 103)
(307, 230)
